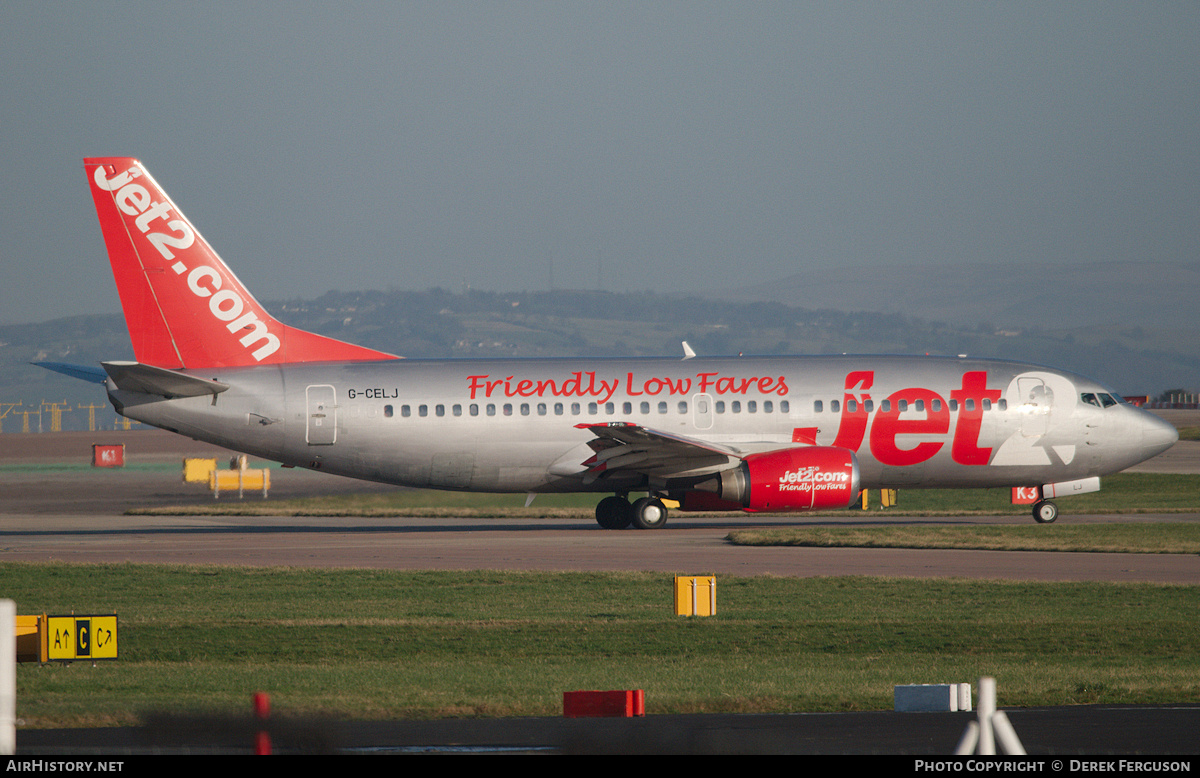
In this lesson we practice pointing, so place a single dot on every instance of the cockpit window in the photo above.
(1100, 399)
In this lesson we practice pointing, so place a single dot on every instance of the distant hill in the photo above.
(1008, 296)
(1134, 356)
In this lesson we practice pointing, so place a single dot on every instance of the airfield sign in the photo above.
(76, 637)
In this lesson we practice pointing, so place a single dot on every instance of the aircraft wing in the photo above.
(625, 448)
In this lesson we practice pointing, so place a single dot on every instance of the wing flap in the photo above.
(623, 448)
(627, 433)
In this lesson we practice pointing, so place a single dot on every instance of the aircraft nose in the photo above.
(1157, 435)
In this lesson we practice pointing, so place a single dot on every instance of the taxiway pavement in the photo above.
(76, 514)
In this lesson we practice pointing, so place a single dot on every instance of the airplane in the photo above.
(753, 434)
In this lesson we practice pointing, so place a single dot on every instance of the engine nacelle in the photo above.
(789, 480)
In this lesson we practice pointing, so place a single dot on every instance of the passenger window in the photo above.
(524, 409)
(682, 407)
(387, 411)
(440, 410)
(626, 408)
(817, 406)
(720, 406)
(662, 407)
(422, 410)
(574, 409)
(852, 406)
(508, 409)
(936, 405)
(593, 409)
(491, 409)
(610, 408)
(736, 406)
(886, 406)
(834, 406)
(541, 409)
(751, 407)
(474, 409)
(457, 410)
(645, 407)
(784, 407)
(902, 405)
(768, 407)
(558, 409)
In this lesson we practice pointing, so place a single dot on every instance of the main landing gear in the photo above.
(616, 512)
(1045, 512)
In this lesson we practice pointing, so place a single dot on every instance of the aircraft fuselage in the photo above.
(510, 425)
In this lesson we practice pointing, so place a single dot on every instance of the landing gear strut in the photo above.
(615, 512)
(1044, 512)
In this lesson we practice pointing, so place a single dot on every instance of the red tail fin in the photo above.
(183, 306)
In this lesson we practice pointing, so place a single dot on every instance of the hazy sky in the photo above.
(667, 145)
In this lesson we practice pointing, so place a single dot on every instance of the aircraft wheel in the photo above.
(649, 513)
(1045, 512)
(614, 513)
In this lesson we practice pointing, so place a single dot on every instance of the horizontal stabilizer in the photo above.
(84, 372)
(147, 379)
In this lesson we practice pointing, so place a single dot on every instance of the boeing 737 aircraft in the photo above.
(753, 434)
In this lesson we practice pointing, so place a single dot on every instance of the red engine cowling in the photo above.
(789, 480)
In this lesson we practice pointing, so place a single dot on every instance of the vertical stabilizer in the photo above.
(183, 306)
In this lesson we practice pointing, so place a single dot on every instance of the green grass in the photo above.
(1121, 493)
(87, 467)
(391, 644)
(1137, 538)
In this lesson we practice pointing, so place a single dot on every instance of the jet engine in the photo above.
(786, 481)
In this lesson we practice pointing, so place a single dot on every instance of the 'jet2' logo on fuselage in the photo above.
(887, 424)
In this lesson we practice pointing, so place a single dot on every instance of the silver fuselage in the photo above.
(511, 425)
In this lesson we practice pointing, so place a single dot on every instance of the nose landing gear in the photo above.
(1045, 512)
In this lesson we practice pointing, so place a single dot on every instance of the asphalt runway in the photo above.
(77, 515)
